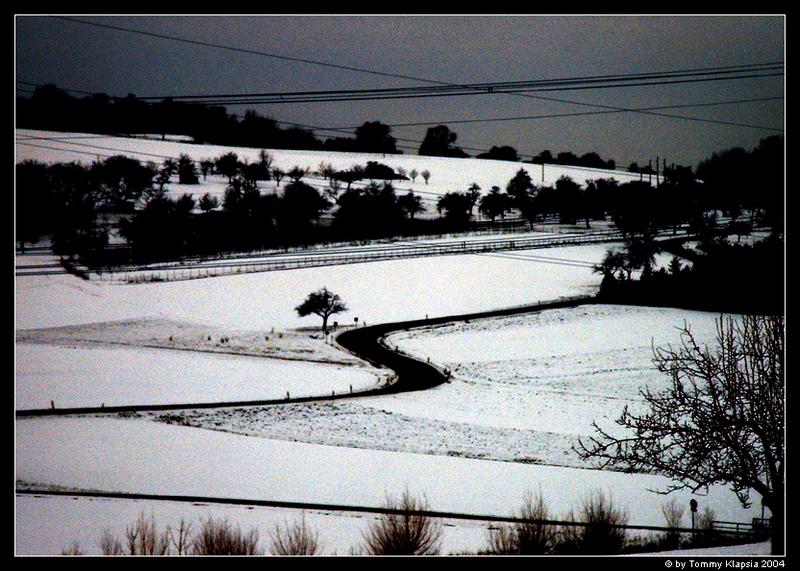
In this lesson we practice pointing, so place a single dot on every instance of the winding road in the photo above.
(367, 343)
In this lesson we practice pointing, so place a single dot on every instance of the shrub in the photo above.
(706, 536)
(673, 516)
(73, 549)
(599, 533)
(297, 539)
(143, 538)
(221, 538)
(405, 532)
(527, 537)
(109, 544)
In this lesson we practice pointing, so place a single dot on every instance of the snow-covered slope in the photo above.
(447, 174)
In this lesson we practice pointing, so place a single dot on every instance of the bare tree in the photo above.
(180, 538)
(109, 544)
(426, 174)
(278, 174)
(143, 538)
(325, 170)
(720, 422)
(673, 517)
(296, 173)
(404, 530)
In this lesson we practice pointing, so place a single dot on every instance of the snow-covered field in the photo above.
(523, 389)
(447, 174)
(375, 292)
(115, 376)
(129, 455)
(42, 525)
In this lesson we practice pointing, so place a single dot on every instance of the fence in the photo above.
(491, 519)
(340, 256)
(758, 525)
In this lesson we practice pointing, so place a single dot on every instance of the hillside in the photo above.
(447, 174)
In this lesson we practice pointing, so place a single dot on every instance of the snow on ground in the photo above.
(524, 388)
(131, 455)
(307, 344)
(447, 174)
(763, 548)
(375, 292)
(552, 371)
(117, 376)
(48, 524)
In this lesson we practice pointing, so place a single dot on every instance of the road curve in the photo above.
(411, 374)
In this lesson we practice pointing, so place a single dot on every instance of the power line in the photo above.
(484, 88)
(234, 49)
(578, 114)
(32, 84)
(379, 73)
(377, 95)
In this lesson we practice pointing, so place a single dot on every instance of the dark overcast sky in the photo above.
(457, 49)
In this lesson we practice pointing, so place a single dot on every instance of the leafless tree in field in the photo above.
(720, 422)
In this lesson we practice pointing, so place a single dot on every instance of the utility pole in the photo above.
(658, 162)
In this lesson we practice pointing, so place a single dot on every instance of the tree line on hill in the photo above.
(70, 202)
(73, 204)
(720, 274)
(50, 108)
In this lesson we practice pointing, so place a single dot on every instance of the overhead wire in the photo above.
(387, 74)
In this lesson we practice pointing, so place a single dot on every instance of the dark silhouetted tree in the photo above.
(494, 204)
(504, 153)
(438, 142)
(227, 165)
(278, 174)
(519, 188)
(570, 199)
(455, 205)
(375, 137)
(208, 203)
(323, 303)
(206, 167)
(474, 194)
(35, 205)
(720, 422)
(299, 206)
(187, 170)
(296, 173)
(410, 204)
(122, 181)
(545, 157)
